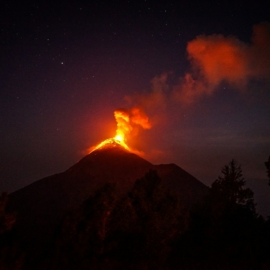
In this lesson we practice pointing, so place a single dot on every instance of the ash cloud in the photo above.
(216, 58)
(129, 121)
(151, 105)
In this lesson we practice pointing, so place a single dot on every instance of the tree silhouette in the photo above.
(80, 240)
(127, 231)
(10, 256)
(222, 229)
(159, 215)
(7, 220)
(230, 186)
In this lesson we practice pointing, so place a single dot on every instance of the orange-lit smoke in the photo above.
(154, 102)
(216, 58)
(128, 122)
(219, 58)
(213, 59)
(123, 124)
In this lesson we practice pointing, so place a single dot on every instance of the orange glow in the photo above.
(110, 142)
(220, 58)
(123, 125)
(123, 128)
(126, 121)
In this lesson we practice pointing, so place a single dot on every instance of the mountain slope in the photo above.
(41, 205)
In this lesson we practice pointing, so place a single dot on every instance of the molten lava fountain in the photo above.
(125, 119)
(123, 128)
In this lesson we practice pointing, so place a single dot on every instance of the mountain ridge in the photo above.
(41, 205)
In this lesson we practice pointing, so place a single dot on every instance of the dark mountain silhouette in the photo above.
(41, 205)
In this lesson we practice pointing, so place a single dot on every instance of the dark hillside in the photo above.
(41, 205)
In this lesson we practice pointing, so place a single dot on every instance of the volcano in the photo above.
(41, 205)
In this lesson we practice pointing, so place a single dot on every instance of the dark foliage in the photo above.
(224, 230)
(146, 228)
(129, 232)
(230, 187)
(10, 255)
(81, 237)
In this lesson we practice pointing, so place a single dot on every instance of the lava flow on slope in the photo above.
(126, 121)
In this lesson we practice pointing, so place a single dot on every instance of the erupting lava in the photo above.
(125, 120)
(123, 128)
(112, 142)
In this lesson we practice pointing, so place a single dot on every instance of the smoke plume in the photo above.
(216, 58)
(129, 121)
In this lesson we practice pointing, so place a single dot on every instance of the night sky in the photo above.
(200, 71)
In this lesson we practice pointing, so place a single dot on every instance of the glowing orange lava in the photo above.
(123, 128)
(127, 123)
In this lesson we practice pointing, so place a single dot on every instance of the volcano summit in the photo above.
(110, 143)
(41, 206)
